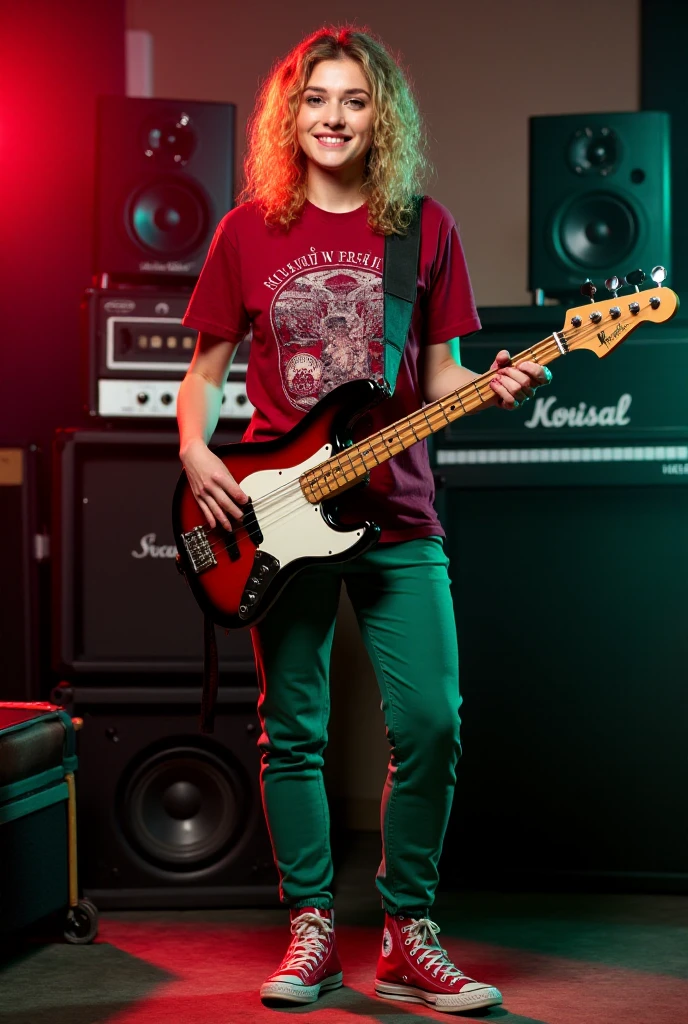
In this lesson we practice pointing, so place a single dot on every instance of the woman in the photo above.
(333, 164)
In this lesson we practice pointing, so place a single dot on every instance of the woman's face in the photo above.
(335, 118)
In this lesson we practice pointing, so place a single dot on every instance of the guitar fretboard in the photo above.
(349, 466)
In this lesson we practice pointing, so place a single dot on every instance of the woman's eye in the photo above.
(313, 100)
(357, 104)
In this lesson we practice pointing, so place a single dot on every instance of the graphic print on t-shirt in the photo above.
(329, 329)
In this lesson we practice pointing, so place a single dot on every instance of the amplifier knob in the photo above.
(241, 399)
(167, 398)
(142, 398)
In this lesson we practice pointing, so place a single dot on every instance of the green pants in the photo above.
(400, 594)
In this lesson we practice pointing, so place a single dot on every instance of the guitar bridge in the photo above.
(199, 550)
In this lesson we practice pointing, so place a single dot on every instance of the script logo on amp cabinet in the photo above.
(149, 549)
(546, 413)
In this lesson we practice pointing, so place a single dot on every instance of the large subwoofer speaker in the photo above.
(599, 198)
(119, 605)
(165, 176)
(169, 817)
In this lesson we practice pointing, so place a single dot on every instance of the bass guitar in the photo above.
(290, 521)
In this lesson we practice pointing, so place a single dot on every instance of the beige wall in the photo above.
(481, 68)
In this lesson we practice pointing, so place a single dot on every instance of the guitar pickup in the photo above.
(198, 549)
(250, 523)
(231, 545)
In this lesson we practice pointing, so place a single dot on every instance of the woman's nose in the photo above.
(334, 115)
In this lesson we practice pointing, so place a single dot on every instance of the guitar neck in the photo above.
(349, 466)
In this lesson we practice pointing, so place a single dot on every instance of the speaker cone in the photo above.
(598, 230)
(169, 217)
(183, 807)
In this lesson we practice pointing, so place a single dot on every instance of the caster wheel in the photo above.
(81, 924)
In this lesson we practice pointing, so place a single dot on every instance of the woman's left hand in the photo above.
(515, 385)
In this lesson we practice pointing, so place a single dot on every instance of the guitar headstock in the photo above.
(601, 326)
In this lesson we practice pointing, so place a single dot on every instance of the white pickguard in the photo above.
(291, 526)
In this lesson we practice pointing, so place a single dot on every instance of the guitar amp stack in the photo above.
(566, 530)
(173, 817)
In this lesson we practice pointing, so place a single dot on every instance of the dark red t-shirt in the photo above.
(313, 298)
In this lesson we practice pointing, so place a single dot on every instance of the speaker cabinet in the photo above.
(119, 605)
(566, 532)
(164, 178)
(599, 198)
(569, 606)
(168, 817)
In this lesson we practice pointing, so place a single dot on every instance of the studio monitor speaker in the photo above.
(599, 198)
(164, 178)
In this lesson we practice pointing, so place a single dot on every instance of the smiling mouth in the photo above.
(332, 141)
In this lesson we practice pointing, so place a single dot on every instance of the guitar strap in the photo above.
(399, 282)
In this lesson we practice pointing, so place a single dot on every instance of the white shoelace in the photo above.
(422, 933)
(310, 933)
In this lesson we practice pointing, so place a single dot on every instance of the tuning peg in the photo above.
(612, 285)
(658, 275)
(588, 289)
(635, 278)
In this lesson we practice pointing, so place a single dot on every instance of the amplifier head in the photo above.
(137, 353)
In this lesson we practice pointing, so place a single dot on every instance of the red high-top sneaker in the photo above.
(311, 964)
(414, 967)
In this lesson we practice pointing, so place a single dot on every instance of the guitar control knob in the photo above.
(250, 597)
(615, 312)
(142, 398)
(634, 308)
(596, 317)
(576, 321)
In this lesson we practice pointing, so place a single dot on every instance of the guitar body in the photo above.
(236, 577)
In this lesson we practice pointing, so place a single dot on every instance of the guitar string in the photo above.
(278, 492)
(294, 505)
(293, 491)
(294, 501)
(479, 381)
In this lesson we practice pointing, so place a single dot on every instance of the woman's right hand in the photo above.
(214, 488)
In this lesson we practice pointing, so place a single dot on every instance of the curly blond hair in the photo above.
(275, 165)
